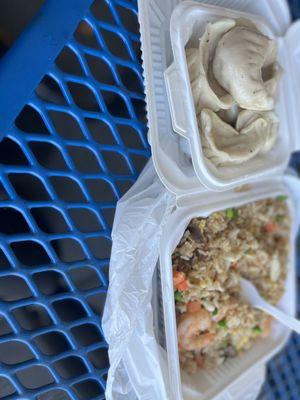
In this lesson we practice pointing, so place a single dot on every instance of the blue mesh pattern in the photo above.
(75, 148)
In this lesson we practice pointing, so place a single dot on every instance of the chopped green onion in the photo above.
(215, 312)
(222, 324)
(247, 251)
(178, 296)
(257, 329)
(279, 218)
(281, 197)
(231, 213)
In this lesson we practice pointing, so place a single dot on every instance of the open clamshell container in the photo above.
(212, 383)
(198, 188)
(188, 22)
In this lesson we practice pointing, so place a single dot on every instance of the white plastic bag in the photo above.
(137, 362)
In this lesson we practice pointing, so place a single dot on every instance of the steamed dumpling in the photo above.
(238, 62)
(230, 115)
(272, 71)
(206, 90)
(266, 122)
(225, 145)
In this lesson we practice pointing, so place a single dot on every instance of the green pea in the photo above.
(222, 324)
(178, 296)
(282, 197)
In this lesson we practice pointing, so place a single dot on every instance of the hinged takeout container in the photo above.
(206, 385)
(188, 22)
(181, 167)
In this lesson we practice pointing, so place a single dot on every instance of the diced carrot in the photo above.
(184, 285)
(271, 227)
(178, 277)
(193, 306)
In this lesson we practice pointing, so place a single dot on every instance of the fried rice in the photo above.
(251, 241)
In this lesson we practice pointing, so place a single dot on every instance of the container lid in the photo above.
(291, 46)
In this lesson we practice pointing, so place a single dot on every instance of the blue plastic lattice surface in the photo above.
(74, 149)
(77, 145)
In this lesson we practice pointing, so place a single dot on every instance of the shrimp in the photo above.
(191, 330)
(180, 281)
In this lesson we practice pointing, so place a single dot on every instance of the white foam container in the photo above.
(206, 385)
(188, 22)
(173, 166)
(195, 187)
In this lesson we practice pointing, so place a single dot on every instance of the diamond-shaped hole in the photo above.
(12, 221)
(85, 278)
(15, 352)
(140, 110)
(87, 390)
(139, 162)
(35, 377)
(68, 250)
(29, 187)
(100, 131)
(52, 343)
(4, 263)
(105, 270)
(32, 317)
(84, 159)
(99, 246)
(70, 367)
(109, 215)
(115, 104)
(48, 155)
(66, 125)
(49, 219)
(11, 153)
(67, 189)
(124, 186)
(136, 47)
(49, 91)
(5, 328)
(100, 190)
(115, 44)
(86, 334)
(85, 35)
(30, 253)
(130, 79)
(100, 70)
(130, 137)
(99, 358)
(6, 388)
(50, 282)
(85, 219)
(13, 288)
(83, 96)
(101, 11)
(116, 162)
(30, 121)
(69, 310)
(96, 302)
(55, 394)
(68, 62)
(104, 377)
(3, 193)
(129, 19)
